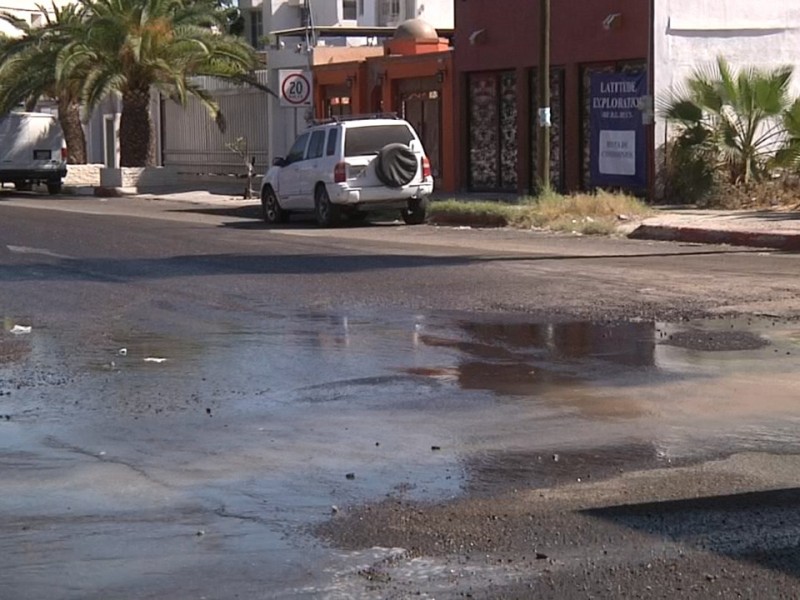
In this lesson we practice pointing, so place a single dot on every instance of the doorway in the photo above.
(110, 141)
(423, 109)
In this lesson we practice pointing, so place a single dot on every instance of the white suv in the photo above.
(348, 166)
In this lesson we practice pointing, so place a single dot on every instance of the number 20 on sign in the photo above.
(295, 86)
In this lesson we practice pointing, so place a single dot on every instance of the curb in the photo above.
(695, 235)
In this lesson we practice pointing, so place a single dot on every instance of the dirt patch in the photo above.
(703, 531)
(12, 349)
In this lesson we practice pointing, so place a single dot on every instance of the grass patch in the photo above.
(591, 214)
(478, 214)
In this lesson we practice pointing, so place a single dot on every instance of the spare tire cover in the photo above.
(396, 165)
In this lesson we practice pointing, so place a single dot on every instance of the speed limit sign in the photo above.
(295, 87)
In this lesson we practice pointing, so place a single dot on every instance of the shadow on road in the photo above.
(248, 211)
(388, 218)
(758, 527)
(123, 270)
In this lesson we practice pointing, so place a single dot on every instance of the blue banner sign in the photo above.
(618, 148)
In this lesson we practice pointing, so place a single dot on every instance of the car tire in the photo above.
(396, 165)
(271, 210)
(416, 211)
(53, 187)
(327, 213)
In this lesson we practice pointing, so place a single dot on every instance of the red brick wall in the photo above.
(510, 41)
(577, 33)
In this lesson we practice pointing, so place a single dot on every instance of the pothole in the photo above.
(716, 341)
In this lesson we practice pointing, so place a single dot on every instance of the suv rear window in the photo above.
(359, 141)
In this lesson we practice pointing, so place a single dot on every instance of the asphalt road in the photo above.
(208, 407)
(144, 244)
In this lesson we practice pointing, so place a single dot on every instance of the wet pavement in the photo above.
(174, 461)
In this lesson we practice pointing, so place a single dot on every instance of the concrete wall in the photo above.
(692, 33)
(165, 179)
(490, 37)
(83, 175)
(438, 13)
(284, 14)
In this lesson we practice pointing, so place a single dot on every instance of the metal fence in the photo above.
(192, 142)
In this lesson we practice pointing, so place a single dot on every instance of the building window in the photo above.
(411, 9)
(360, 8)
(256, 28)
(390, 12)
(349, 10)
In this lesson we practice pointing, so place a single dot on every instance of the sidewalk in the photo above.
(777, 229)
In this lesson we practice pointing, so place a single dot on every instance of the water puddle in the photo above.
(249, 430)
(145, 351)
(520, 359)
(491, 472)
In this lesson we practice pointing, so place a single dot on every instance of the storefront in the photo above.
(412, 79)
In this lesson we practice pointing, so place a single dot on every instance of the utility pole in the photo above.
(543, 139)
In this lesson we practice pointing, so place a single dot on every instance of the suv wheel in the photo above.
(416, 211)
(271, 210)
(327, 213)
(396, 165)
(53, 187)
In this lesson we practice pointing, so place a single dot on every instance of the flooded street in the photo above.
(203, 459)
(195, 406)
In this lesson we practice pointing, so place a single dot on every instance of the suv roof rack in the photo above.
(360, 117)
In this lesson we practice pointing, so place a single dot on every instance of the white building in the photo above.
(692, 33)
(264, 16)
(390, 13)
(26, 10)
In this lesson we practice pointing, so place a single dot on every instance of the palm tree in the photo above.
(789, 155)
(737, 114)
(132, 46)
(27, 71)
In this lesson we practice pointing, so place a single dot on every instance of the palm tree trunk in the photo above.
(134, 127)
(69, 116)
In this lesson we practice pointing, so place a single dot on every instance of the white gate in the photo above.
(192, 142)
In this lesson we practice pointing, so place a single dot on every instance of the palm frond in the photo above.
(209, 103)
(791, 120)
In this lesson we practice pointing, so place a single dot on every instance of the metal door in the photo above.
(493, 131)
(423, 110)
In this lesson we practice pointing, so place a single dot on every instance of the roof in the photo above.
(416, 29)
(339, 31)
